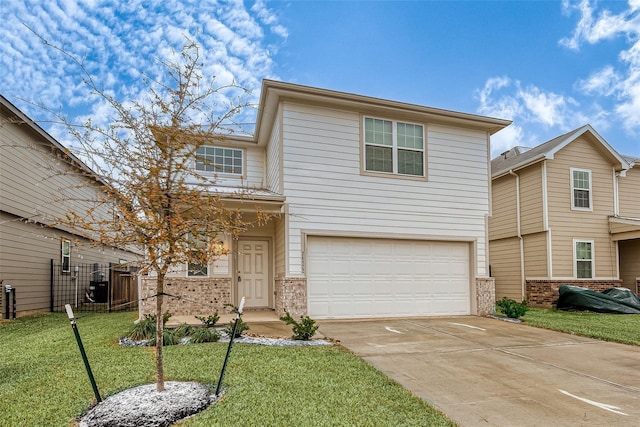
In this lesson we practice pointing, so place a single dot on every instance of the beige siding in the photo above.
(503, 221)
(26, 251)
(531, 206)
(630, 263)
(567, 224)
(629, 193)
(38, 185)
(327, 193)
(505, 267)
(535, 255)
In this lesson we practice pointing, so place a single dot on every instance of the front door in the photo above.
(253, 272)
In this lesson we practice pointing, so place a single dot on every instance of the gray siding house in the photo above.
(35, 172)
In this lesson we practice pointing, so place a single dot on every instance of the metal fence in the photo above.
(93, 287)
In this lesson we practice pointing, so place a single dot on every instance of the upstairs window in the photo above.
(393, 147)
(219, 160)
(583, 255)
(581, 189)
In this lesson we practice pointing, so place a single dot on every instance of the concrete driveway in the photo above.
(488, 372)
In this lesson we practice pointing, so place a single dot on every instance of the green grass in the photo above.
(43, 381)
(623, 328)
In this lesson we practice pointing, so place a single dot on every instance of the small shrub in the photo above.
(168, 338)
(201, 335)
(209, 321)
(145, 328)
(302, 330)
(183, 330)
(242, 327)
(511, 308)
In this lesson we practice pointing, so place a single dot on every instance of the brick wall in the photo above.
(291, 296)
(202, 295)
(544, 293)
(485, 295)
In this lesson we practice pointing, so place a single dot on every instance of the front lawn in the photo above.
(623, 328)
(43, 381)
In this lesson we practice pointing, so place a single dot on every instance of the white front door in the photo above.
(253, 272)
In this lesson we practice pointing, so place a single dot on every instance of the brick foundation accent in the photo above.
(544, 293)
(205, 295)
(485, 295)
(291, 295)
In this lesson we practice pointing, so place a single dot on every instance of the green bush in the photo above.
(511, 308)
(201, 335)
(183, 330)
(242, 327)
(302, 330)
(209, 321)
(145, 329)
(168, 338)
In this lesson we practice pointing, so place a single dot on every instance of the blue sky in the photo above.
(549, 66)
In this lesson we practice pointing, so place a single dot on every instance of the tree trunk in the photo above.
(159, 333)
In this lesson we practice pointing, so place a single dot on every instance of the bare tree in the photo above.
(152, 198)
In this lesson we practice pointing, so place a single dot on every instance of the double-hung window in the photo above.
(65, 251)
(393, 147)
(219, 160)
(583, 256)
(581, 189)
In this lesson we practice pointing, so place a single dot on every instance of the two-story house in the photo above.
(382, 210)
(564, 212)
(40, 181)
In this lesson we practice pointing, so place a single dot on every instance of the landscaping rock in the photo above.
(143, 406)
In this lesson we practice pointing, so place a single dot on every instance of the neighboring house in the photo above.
(564, 212)
(382, 210)
(35, 174)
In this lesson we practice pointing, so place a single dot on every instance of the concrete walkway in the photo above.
(488, 372)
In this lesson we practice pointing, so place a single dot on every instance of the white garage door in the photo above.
(357, 277)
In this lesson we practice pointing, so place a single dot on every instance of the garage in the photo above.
(350, 277)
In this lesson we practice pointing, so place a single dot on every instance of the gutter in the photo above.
(519, 231)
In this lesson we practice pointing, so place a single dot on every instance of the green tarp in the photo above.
(613, 300)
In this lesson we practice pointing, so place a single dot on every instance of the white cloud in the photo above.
(118, 41)
(604, 81)
(533, 111)
(619, 82)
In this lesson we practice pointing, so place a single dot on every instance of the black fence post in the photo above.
(51, 290)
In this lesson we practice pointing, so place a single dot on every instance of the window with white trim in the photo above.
(65, 251)
(197, 270)
(581, 189)
(393, 147)
(198, 253)
(584, 259)
(219, 160)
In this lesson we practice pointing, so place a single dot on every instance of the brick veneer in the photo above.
(544, 293)
(203, 295)
(485, 295)
(291, 295)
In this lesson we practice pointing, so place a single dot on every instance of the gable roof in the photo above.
(15, 115)
(274, 91)
(516, 158)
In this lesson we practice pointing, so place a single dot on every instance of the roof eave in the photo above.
(274, 91)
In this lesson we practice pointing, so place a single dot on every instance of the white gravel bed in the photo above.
(143, 406)
(244, 339)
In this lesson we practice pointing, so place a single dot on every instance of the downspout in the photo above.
(522, 282)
